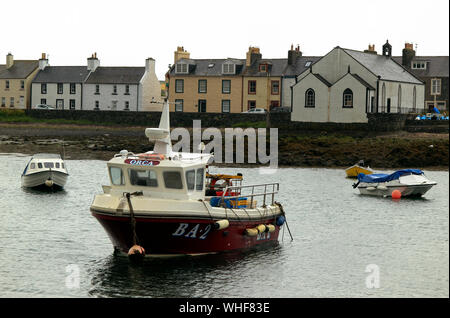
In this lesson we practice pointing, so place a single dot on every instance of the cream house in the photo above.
(15, 82)
(345, 85)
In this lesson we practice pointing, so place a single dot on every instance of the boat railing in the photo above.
(265, 190)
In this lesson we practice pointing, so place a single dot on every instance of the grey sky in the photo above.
(125, 33)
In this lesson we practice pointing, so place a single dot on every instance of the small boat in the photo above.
(45, 170)
(157, 204)
(410, 182)
(356, 169)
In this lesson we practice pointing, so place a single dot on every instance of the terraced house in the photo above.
(15, 82)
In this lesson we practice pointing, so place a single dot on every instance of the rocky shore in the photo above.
(394, 150)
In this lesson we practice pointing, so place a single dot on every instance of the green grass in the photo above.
(250, 124)
(19, 116)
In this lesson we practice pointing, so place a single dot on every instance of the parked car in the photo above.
(255, 111)
(43, 106)
(281, 110)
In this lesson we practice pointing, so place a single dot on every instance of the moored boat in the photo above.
(356, 169)
(410, 182)
(45, 170)
(157, 204)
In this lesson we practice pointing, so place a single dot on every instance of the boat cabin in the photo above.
(44, 162)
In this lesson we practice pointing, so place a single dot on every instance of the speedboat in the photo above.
(45, 170)
(410, 182)
(353, 171)
(157, 205)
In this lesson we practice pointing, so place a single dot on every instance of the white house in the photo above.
(344, 85)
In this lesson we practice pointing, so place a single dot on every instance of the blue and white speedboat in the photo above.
(410, 182)
(46, 170)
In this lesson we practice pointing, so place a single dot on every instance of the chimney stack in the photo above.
(180, 53)
(9, 60)
(150, 65)
(43, 62)
(253, 54)
(371, 49)
(408, 55)
(294, 54)
(93, 62)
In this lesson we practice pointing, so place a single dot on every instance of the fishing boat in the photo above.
(157, 205)
(409, 182)
(45, 170)
(356, 169)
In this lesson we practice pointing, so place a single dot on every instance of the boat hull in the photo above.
(406, 190)
(39, 179)
(183, 236)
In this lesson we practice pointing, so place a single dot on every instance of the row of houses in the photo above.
(343, 86)
(27, 83)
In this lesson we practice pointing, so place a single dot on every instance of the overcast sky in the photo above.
(125, 33)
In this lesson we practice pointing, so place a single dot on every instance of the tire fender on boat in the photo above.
(221, 224)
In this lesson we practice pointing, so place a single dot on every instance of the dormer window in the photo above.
(418, 65)
(228, 68)
(263, 68)
(181, 68)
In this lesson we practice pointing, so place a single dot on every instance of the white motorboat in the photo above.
(410, 182)
(45, 169)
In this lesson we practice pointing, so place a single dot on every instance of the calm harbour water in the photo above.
(46, 237)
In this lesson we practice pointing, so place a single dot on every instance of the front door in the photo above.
(388, 105)
(60, 104)
(202, 106)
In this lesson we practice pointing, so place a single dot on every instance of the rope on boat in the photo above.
(136, 250)
(284, 214)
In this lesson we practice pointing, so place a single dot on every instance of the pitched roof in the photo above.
(276, 67)
(20, 69)
(363, 82)
(383, 66)
(61, 74)
(209, 67)
(300, 65)
(322, 79)
(436, 66)
(116, 75)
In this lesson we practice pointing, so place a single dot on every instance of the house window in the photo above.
(11, 102)
(60, 104)
(181, 68)
(226, 86)
(179, 105)
(202, 86)
(252, 87)
(251, 104)
(348, 98)
(71, 103)
(228, 68)
(310, 98)
(6, 84)
(435, 86)
(97, 89)
(275, 87)
(43, 101)
(127, 89)
(60, 88)
(225, 106)
(97, 105)
(114, 90)
(418, 65)
(22, 84)
(43, 88)
(3, 101)
(72, 88)
(263, 68)
(179, 86)
(202, 105)
(127, 105)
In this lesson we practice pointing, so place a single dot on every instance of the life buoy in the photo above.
(150, 156)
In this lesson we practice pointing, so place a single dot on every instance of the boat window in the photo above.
(172, 180)
(143, 177)
(62, 165)
(39, 165)
(57, 165)
(190, 179)
(48, 165)
(32, 165)
(199, 183)
(116, 176)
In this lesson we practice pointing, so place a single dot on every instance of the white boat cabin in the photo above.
(45, 162)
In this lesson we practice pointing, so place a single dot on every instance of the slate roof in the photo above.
(384, 67)
(20, 69)
(300, 65)
(363, 82)
(62, 74)
(276, 67)
(437, 66)
(116, 75)
(209, 67)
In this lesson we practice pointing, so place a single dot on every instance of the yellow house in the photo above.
(205, 85)
(15, 82)
(262, 81)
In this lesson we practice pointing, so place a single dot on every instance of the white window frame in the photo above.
(224, 102)
(435, 86)
(228, 68)
(418, 65)
(181, 68)
(179, 103)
